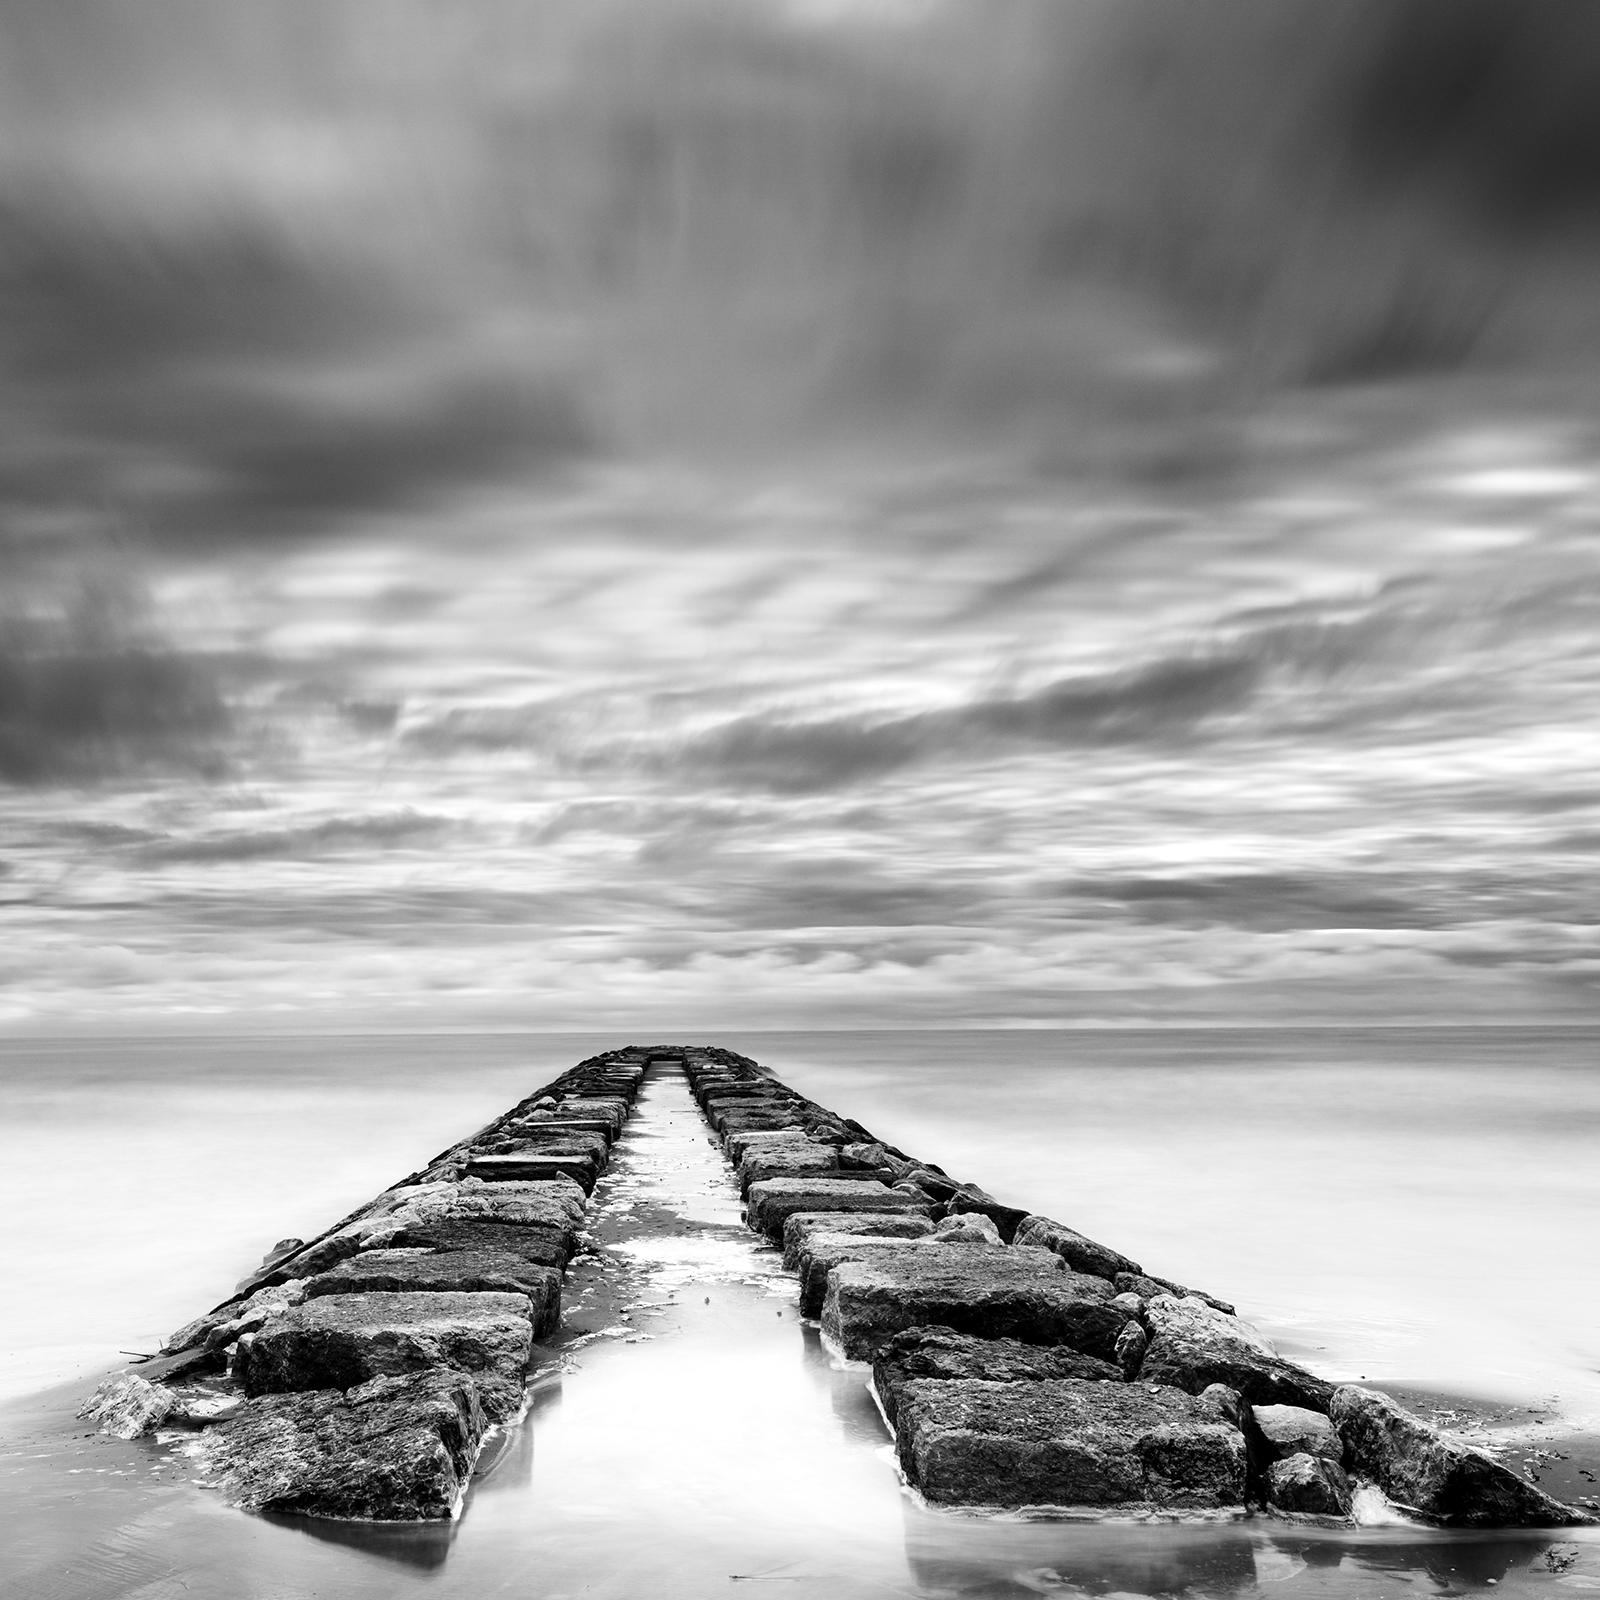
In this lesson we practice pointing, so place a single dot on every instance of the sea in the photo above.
(1412, 1207)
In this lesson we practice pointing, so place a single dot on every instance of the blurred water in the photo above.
(718, 1444)
(1411, 1205)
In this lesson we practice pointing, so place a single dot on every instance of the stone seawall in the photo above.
(1017, 1362)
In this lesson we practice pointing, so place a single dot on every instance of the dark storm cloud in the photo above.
(231, 385)
(81, 700)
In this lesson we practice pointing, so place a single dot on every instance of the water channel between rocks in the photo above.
(687, 1436)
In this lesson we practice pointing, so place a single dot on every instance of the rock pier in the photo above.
(1016, 1362)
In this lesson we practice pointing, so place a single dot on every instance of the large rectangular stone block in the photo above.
(1001, 1293)
(1068, 1443)
(773, 1201)
(424, 1271)
(340, 1341)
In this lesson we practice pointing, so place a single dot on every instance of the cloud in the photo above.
(332, 836)
(89, 689)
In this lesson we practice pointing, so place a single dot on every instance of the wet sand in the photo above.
(688, 1436)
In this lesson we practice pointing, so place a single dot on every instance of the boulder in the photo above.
(449, 1272)
(1068, 1443)
(1308, 1485)
(529, 1143)
(799, 1160)
(553, 1122)
(995, 1294)
(532, 1163)
(1132, 1343)
(970, 1227)
(822, 1252)
(1147, 1288)
(1192, 1344)
(802, 1226)
(391, 1449)
(1292, 1430)
(946, 1356)
(340, 1341)
(126, 1406)
(611, 1110)
(1080, 1252)
(867, 1156)
(551, 1203)
(773, 1201)
(970, 1200)
(544, 1246)
(741, 1142)
(1424, 1470)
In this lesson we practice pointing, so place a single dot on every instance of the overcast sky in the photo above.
(578, 548)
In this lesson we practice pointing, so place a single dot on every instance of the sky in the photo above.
(804, 516)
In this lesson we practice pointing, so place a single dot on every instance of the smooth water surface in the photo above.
(1375, 1191)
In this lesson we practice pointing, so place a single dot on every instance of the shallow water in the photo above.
(707, 1439)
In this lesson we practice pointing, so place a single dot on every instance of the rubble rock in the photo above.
(126, 1406)
(970, 1227)
(1293, 1430)
(1080, 1252)
(1131, 1345)
(1426, 1471)
(341, 1341)
(1067, 1443)
(1192, 1344)
(1308, 1485)
(396, 1448)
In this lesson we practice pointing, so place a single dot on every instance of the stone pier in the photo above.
(1016, 1362)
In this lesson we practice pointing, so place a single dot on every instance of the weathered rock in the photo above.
(126, 1406)
(221, 1327)
(544, 1246)
(970, 1200)
(1426, 1471)
(550, 1203)
(800, 1160)
(340, 1341)
(391, 1449)
(611, 1110)
(947, 1356)
(546, 1141)
(822, 1252)
(1069, 1443)
(1080, 1252)
(868, 1156)
(533, 1164)
(553, 1122)
(1131, 1305)
(449, 1272)
(1006, 1293)
(1308, 1485)
(1132, 1343)
(1292, 1430)
(1225, 1402)
(773, 1201)
(800, 1228)
(1147, 1288)
(1192, 1344)
(970, 1227)
(742, 1141)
